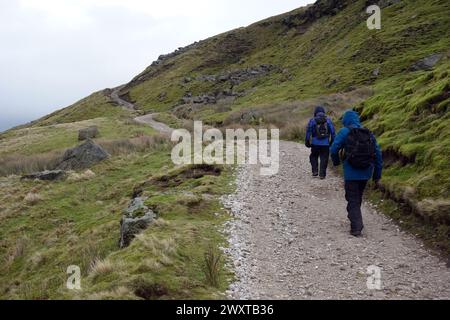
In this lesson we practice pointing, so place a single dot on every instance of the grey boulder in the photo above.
(88, 133)
(136, 218)
(427, 63)
(83, 156)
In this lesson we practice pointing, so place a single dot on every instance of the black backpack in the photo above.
(322, 131)
(360, 149)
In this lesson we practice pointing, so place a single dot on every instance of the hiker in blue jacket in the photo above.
(362, 161)
(319, 136)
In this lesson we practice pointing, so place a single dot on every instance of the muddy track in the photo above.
(290, 240)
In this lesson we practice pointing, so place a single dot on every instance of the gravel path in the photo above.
(147, 119)
(290, 240)
(159, 126)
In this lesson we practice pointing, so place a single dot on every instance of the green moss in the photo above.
(416, 128)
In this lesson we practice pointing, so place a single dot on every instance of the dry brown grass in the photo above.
(161, 249)
(90, 254)
(294, 131)
(37, 259)
(32, 198)
(16, 164)
(292, 117)
(150, 265)
(76, 177)
(102, 267)
(16, 251)
(138, 144)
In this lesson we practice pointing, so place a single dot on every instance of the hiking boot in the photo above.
(323, 178)
(356, 233)
(315, 175)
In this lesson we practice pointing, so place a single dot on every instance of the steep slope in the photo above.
(304, 53)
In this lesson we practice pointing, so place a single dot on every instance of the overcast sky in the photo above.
(55, 52)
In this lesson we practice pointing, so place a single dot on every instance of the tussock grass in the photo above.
(99, 267)
(139, 144)
(32, 198)
(150, 265)
(90, 254)
(104, 267)
(294, 131)
(16, 251)
(161, 248)
(212, 266)
(76, 177)
(37, 259)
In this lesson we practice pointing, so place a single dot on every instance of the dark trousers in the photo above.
(354, 191)
(322, 152)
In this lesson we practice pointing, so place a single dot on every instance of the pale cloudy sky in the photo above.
(55, 52)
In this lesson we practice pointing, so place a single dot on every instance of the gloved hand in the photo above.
(308, 144)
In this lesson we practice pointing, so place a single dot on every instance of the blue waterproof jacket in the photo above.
(351, 120)
(311, 130)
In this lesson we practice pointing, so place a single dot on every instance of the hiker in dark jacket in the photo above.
(319, 136)
(359, 169)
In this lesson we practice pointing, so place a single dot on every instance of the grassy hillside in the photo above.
(271, 73)
(95, 106)
(331, 54)
(308, 56)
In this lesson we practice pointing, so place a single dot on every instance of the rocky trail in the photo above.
(289, 238)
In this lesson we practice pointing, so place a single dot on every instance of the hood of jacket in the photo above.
(351, 119)
(318, 110)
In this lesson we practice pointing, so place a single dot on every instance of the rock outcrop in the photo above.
(427, 63)
(88, 133)
(230, 79)
(136, 218)
(83, 156)
(314, 12)
(240, 75)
